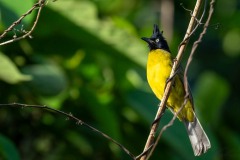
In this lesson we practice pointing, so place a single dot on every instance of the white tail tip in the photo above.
(198, 138)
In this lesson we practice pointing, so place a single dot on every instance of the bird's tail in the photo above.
(199, 140)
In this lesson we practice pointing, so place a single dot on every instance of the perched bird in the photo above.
(159, 67)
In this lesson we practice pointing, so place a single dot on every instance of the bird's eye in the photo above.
(157, 40)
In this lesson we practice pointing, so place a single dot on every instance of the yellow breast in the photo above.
(158, 70)
(159, 67)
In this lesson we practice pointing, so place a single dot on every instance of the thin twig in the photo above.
(176, 63)
(167, 126)
(72, 117)
(186, 70)
(196, 43)
(170, 122)
(39, 5)
(199, 22)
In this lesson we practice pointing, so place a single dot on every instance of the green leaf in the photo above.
(48, 80)
(8, 151)
(106, 33)
(11, 10)
(9, 72)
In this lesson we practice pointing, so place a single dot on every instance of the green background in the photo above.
(86, 58)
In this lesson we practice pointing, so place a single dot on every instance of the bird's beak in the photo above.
(148, 40)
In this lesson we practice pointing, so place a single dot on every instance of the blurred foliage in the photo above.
(86, 58)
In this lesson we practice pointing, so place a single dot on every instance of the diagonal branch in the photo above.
(72, 117)
(39, 5)
(166, 94)
(196, 43)
(187, 67)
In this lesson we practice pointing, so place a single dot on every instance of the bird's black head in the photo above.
(156, 41)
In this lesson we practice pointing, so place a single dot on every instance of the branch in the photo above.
(39, 5)
(196, 43)
(162, 106)
(71, 117)
(199, 22)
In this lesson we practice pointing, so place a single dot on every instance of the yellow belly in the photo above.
(158, 71)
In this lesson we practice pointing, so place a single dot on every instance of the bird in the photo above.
(159, 66)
